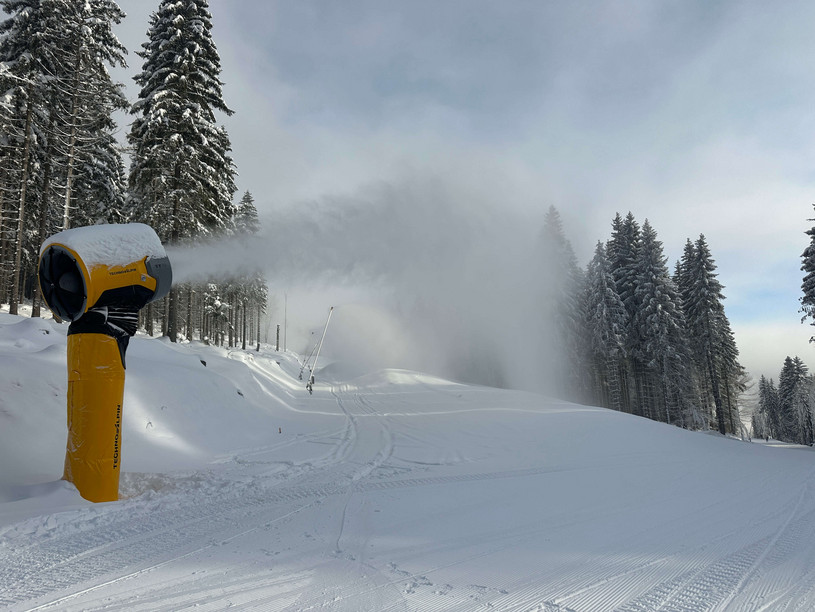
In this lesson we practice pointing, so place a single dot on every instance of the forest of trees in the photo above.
(61, 166)
(784, 412)
(637, 338)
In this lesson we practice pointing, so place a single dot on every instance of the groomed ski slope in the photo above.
(390, 491)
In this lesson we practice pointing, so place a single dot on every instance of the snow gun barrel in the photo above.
(119, 266)
(98, 278)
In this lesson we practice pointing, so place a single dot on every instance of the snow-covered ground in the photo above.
(391, 491)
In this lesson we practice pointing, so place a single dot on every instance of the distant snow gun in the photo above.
(98, 278)
(306, 360)
(310, 383)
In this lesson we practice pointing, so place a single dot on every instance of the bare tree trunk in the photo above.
(69, 183)
(717, 398)
(243, 338)
(637, 375)
(172, 315)
(664, 385)
(230, 319)
(46, 188)
(5, 232)
(175, 234)
(165, 316)
(258, 329)
(18, 255)
(201, 316)
(613, 379)
(189, 313)
(148, 320)
(731, 409)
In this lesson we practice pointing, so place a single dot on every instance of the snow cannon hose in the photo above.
(98, 278)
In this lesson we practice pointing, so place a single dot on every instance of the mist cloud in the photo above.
(432, 278)
(695, 115)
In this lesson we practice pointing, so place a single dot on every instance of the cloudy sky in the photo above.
(695, 114)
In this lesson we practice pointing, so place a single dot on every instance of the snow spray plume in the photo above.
(431, 280)
(213, 260)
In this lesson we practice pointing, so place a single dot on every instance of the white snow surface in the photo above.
(391, 491)
(110, 244)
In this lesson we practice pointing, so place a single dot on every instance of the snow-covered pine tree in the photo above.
(563, 336)
(794, 410)
(768, 397)
(682, 280)
(760, 421)
(803, 408)
(55, 56)
(808, 284)
(710, 335)
(182, 177)
(623, 254)
(606, 323)
(787, 383)
(94, 175)
(682, 271)
(660, 348)
(28, 57)
(216, 316)
(100, 196)
(253, 292)
(733, 373)
(245, 218)
(621, 250)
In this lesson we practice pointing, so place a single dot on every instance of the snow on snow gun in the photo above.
(98, 278)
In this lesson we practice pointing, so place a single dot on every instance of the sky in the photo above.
(695, 115)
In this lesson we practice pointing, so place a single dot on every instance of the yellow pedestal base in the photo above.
(96, 378)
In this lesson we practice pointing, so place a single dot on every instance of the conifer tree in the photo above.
(29, 56)
(252, 292)
(787, 383)
(622, 251)
(759, 425)
(182, 176)
(606, 322)
(808, 285)
(766, 419)
(57, 120)
(562, 281)
(245, 218)
(660, 337)
(682, 272)
(803, 408)
(794, 409)
(94, 171)
(710, 335)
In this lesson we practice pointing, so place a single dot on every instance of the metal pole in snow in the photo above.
(306, 360)
(319, 346)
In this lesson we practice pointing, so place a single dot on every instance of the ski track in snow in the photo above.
(150, 552)
(65, 567)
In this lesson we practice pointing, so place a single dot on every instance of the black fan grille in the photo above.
(62, 283)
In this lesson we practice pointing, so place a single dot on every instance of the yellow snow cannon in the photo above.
(98, 278)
